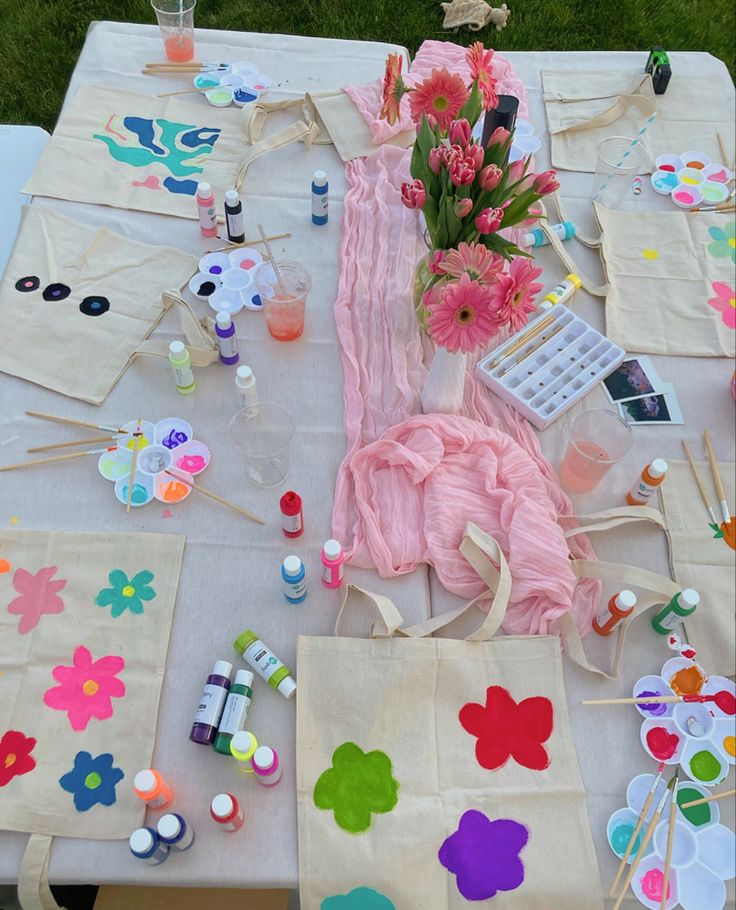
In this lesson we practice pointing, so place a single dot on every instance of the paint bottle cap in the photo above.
(545, 305)
(232, 197)
(243, 678)
(292, 565)
(243, 745)
(169, 826)
(222, 668)
(244, 377)
(144, 781)
(222, 806)
(574, 279)
(688, 597)
(626, 600)
(176, 348)
(223, 319)
(287, 686)
(142, 841)
(658, 468)
(320, 178)
(245, 639)
(332, 549)
(263, 758)
(204, 189)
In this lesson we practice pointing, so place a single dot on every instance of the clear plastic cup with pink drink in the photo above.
(283, 291)
(598, 440)
(176, 20)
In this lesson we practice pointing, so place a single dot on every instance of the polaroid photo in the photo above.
(660, 408)
(635, 378)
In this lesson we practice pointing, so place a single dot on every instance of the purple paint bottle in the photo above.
(211, 704)
(226, 338)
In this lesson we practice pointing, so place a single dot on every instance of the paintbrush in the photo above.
(723, 700)
(531, 351)
(77, 442)
(284, 295)
(526, 336)
(134, 463)
(220, 499)
(75, 423)
(670, 843)
(637, 829)
(53, 458)
(720, 492)
(709, 799)
(699, 482)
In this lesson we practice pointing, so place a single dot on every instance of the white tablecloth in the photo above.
(230, 576)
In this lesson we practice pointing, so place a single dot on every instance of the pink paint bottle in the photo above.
(332, 562)
(206, 210)
(266, 766)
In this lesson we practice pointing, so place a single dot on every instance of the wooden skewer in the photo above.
(527, 336)
(531, 350)
(720, 492)
(637, 829)
(224, 502)
(133, 465)
(699, 482)
(235, 246)
(76, 442)
(709, 799)
(264, 239)
(75, 423)
(52, 458)
(670, 843)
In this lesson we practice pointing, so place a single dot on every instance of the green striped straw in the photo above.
(629, 149)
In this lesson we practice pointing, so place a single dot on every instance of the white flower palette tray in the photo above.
(691, 179)
(553, 369)
(232, 83)
(225, 280)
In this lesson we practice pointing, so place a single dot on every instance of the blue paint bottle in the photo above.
(292, 575)
(227, 340)
(320, 197)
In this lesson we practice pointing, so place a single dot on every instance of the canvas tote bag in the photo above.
(77, 304)
(84, 630)
(432, 772)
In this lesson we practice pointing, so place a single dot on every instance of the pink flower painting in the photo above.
(725, 303)
(38, 595)
(86, 689)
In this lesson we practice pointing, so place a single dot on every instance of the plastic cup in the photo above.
(283, 301)
(617, 164)
(264, 437)
(598, 440)
(176, 21)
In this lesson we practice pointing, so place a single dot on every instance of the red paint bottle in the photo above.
(619, 607)
(292, 514)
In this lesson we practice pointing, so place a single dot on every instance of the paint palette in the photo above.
(225, 280)
(703, 851)
(700, 737)
(166, 445)
(553, 370)
(238, 83)
(524, 141)
(691, 179)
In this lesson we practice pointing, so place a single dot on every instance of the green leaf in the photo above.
(454, 224)
(472, 108)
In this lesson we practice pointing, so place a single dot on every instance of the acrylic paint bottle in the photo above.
(175, 832)
(266, 766)
(152, 789)
(265, 663)
(320, 197)
(206, 210)
(145, 844)
(292, 514)
(245, 383)
(680, 607)
(235, 710)
(227, 340)
(226, 811)
(211, 704)
(563, 229)
(293, 576)
(234, 217)
(243, 747)
(181, 364)
(564, 290)
(651, 477)
(332, 563)
(619, 607)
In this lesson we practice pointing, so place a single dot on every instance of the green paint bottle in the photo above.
(680, 607)
(235, 711)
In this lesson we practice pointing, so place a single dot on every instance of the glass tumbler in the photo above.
(176, 21)
(264, 436)
(617, 163)
(598, 440)
(284, 301)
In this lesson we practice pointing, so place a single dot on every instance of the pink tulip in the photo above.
(490, 177)
(546, 183)
(488, 221)
(474, 153)
(499, 136)
(462, 173)
(436, 158)
(460, 131)
(435, 262)
(413, 194)
(463, 207)
(516, 170)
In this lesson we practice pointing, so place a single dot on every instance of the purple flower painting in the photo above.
(484, 855)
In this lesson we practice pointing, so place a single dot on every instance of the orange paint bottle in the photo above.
(619, 607)
(651, 477)
(152, 789)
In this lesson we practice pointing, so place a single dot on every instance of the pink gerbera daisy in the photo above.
(473, 259)
(514, 292)
(439, 97)
(393, 89)
(480, 62)
(464, 316)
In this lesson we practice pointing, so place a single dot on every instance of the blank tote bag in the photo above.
(84, 629)
(432, 773)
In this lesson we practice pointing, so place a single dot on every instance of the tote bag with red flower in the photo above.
(84, 630)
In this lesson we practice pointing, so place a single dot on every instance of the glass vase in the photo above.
(442, 392)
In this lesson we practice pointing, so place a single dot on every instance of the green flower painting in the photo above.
(126, 593)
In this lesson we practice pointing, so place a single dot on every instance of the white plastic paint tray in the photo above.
(564, 362)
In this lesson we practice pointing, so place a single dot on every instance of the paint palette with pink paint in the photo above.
(168, 445)
(691, 179)
(238, 83)
(700, 736)
(703, 851)
(225, 280)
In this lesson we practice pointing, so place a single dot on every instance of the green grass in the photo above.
(41, 39)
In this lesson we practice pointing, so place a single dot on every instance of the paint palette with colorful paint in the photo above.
(691, 179)
(225, 280)
(703, 851)
(240, 84)
(699, 736)
(168, 445)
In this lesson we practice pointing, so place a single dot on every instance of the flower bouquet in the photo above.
(474, 281)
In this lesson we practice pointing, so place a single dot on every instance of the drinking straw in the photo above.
(635, 141)
(284, 295)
